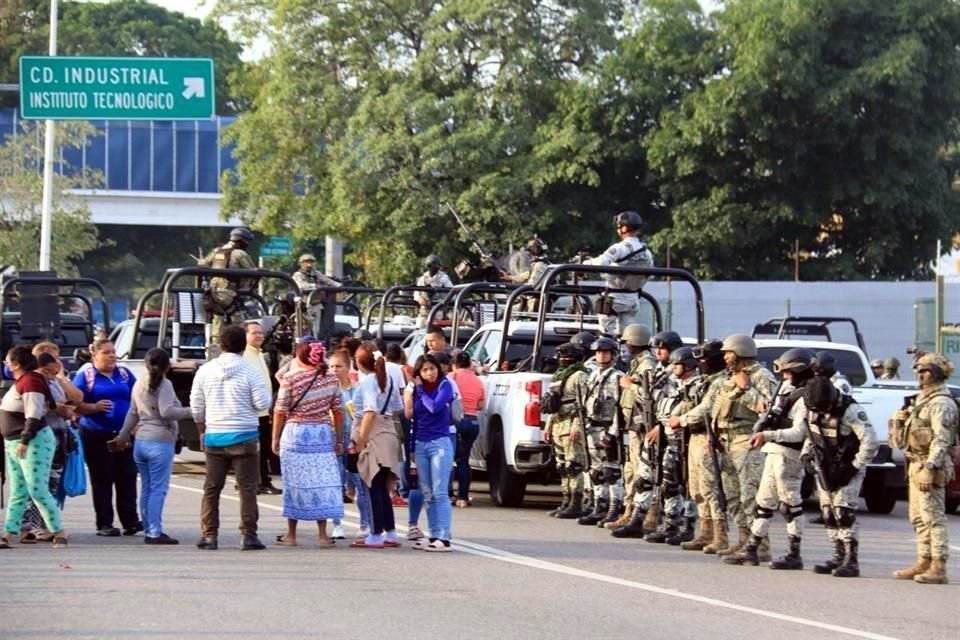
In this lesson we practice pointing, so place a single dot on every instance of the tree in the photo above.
(117, 28)
(21, 189)
(828, 126)
(369, 115)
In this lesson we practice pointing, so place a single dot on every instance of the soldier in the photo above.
(636, 338)
(825, 365)
(533, 268)
(220, 299)
(434, 277)
(584, 340)
(564, 431)
(876, 365)
(710, 359)
(926, 431)
(891, 369)
(841, 441)
(617, 310)
(643, 519)
(308, 279)
(780, 433)
(601, 405)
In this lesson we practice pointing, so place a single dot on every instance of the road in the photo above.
(515, 573)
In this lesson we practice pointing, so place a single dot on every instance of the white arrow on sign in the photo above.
(194, 87)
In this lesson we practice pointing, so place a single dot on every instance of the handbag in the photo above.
(74, 479)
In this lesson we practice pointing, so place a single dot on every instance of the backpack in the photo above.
(90, 376)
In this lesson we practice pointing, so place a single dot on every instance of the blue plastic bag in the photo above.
(73, 483)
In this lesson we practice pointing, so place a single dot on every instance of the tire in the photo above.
(878, 500)
(952, 504)
(506, 488)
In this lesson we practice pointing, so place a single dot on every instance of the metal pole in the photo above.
(46, 206)
(333, 261)
(938, 302)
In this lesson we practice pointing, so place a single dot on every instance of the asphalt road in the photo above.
(514, 573)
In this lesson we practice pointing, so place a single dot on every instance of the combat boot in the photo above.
(720, 541)
(634, 528)
(563, 505)
(687, 532)
(747, 555)
(613, 513)
(850, 567)
(663, 534)
(744, 537)
(573, 509)
(652, 519)
(792, 560)
(599, 512)
(834, 562)
(764, 551)
(623, 519)
(705, 537)
(920, 566)
(936, 574)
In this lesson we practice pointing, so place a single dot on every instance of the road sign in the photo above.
(82, 88)
(276, 246)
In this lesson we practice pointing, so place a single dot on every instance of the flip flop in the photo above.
(362, 544)
(392, 544)
(5, 543)
(282, 541)
(59, 542)
(327, 543)
(28, 538)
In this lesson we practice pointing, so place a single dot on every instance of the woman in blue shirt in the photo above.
(106, 399)
(427, 401)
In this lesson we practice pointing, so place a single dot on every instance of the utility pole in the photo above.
(46, 206)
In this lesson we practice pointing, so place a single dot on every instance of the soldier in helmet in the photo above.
(563, 430)
(435, 277)
(825, 366)
(876, 365)
(780, 434)
(926, 431)
(584, 340)
(220, 299)
(308, 278)
(891, 369)
(601, 405)
(617, 310)
(531, 268)
(842, 441)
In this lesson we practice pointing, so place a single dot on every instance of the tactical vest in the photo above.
(918, 434)
(601, 409)
(729, 410)
(837, 450)
(639, 256)
(788, 400)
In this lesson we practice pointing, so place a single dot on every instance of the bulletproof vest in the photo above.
(729, 410)
(221, 257)
(827, 432)
(601, 406)
(639, 256)
(786, 402)
(919, 429)
(562, 396)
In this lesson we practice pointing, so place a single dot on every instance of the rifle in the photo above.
(822, 480)
(582, 420)
(714, 447)
(771, 417)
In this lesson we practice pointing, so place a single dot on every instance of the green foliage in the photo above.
(21, 190)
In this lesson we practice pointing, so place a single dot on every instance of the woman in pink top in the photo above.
(471, 391)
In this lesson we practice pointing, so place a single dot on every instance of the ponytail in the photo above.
(370, 359)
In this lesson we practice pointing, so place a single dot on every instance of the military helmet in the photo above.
(743, 346)
(876, 363)
(605, 344)
(536, 243)
(891, 364)
(433, 260)
(824, 364)
(583, 340)
(707, 350)
(666, 339)
(940, 367)
(819, 394)
(307, 257)
(684, 356)
(568, 351)
(241, 235)
(629, 219)
(636, 335)
(795, 360)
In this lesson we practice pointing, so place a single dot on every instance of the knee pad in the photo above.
(791, 511)
(574, 469)
(611, 474)
(829, 521)
(762, 512)
(596, 475)
(847, 517)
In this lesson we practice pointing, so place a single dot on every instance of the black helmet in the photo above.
(629, 219)
(568, 351)
(795, 360)
(583, 340)
(667, 339)
(819, 394)
(241, 235)
(824, 364)
(433, 260)
(709, 349)
(604, 343)
(684, 356)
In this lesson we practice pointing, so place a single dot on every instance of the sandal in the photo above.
(327, 543)
(283, 542)
(362, 544)
(28, 538)
(60, 542)
(5, 543)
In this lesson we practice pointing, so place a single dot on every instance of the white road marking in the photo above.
(534, 563)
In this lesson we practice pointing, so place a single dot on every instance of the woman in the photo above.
(307, 443)
(428, 403)
(29, 444)
(410, 493)
(152, 418)
(340, 367)
(106, 399)
(377, 443)
(472, 393)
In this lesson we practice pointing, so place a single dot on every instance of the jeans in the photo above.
(155, 463)
(109, 470)
(434, 463)
(30, 480)
(414, 496)
(467, 432)
(362, 501)
(245, 460)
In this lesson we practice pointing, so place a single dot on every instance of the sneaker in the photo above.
(440, 546)
(363, 533)
(161, 539)
(134, 530)
(108, 532)
(415, 534)
(267, 489)
(398, 501)
(338, 533)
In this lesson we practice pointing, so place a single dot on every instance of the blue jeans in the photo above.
(434, 463)
(414, 496)
(362, 501)
(467, 432)
(155, 464)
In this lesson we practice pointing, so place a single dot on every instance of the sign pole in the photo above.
(46, 206)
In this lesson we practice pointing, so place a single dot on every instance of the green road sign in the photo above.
(78, 88)
(276, 246)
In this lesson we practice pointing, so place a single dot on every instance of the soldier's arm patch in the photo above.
(862, 416)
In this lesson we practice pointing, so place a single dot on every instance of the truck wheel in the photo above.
(952, 504)
(506, 488)
(878, 500)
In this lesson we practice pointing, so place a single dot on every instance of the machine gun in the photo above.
(821, 479)
(582, 421)
(770, 418)
(715, 448)
(488, 268)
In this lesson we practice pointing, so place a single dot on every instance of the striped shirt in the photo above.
(227, 395)
(322, 396)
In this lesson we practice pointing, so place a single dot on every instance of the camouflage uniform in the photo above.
(678, 399)
(224, 291)
(644, 480)
(602, 403)
(629, 401)
(308, 280)
(626, 305)
(698, 456)
(438, 280)
(534, 271)
(569, 453)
